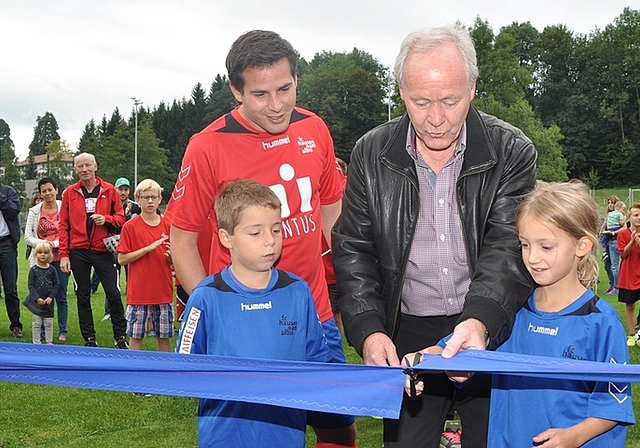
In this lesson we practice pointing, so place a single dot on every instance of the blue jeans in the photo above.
(61, 299)
(614, 256)
(9, 273)
(607, 265)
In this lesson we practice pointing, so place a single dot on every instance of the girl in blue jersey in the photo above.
(563, 318)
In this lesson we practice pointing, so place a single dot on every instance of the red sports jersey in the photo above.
(149, 281)
(299, 165)
(629, 275)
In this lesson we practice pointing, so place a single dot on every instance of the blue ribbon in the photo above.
(336, 388)
(532, 366)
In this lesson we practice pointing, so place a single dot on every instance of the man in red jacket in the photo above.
(91, 211)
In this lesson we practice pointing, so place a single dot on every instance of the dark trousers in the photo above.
(82, 260)
(421, 421)
(9, 273)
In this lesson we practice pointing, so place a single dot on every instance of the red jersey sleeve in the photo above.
(194, 193)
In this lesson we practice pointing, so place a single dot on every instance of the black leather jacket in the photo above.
(372, 238)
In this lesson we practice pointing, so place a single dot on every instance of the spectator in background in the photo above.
(35, 199)
(144, 249)
(91, 211)
(43, 287)
(43, 225)
(628, 246)
(130, 207)
(606, 256)
(10, 206)
(616, 219)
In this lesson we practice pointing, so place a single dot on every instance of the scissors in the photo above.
(413, 375)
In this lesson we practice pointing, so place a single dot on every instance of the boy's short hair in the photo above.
(43, 247)
(635, 205)
(145, 185)
(258, 49)
(239, 195)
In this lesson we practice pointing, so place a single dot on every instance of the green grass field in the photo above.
(51, 416)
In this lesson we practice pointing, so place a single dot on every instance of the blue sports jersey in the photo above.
(223, 317)
(521, 407)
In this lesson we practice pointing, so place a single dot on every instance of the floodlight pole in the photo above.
(136, 103)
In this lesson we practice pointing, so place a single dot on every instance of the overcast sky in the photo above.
(81, 59)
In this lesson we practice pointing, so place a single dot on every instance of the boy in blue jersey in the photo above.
(563, 318)
(251, 309)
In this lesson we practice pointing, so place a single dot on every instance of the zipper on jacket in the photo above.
(404, 263)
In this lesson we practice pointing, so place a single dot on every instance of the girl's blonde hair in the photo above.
(43, 247)
(569, 207)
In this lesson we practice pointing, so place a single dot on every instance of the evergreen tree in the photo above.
(5, 134)
(45, 131)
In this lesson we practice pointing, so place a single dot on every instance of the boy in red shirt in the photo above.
(144, 246)
(629, 275)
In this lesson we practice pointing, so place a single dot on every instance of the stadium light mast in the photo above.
(136, 103)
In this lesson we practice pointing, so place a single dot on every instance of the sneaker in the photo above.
(450, 439)
(16, 332)
(611, 292)
(106, 317)
(90, 342)
(631, 341)
(122, 343)
(608, 291)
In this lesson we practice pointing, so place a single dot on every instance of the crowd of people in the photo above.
(440, 240)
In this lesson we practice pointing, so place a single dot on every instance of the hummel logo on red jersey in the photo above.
(178, 190)
(277, 142)
(184, 172)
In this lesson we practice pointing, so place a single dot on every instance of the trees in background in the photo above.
(576, 96)
(9, 173)
(347, 91)
(57, 168)
(507, 68)
(45, 131)
(112, 143)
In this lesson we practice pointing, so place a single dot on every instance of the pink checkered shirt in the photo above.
(437, 276)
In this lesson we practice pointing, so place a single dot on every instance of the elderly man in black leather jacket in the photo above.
(443, 165)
